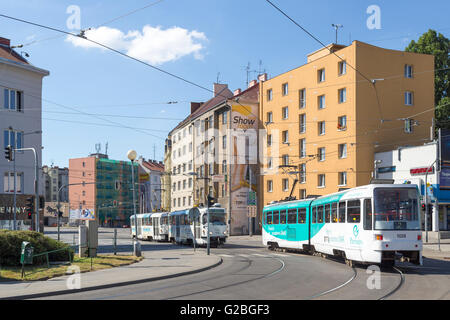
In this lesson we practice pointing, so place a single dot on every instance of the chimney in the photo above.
(5, 41)
(262, 77)
(195, 106)
(237, 91)
(219, 88)
(252, 83)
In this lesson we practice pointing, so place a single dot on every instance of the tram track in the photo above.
(402, 281)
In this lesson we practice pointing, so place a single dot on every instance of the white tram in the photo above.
(150, 226)
(378, 223)
(183, 229)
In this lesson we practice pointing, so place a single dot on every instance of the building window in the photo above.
(321, 181)
(269, 140)
(269, 117)
(303, 196)
(224, 166)
(223, 190)
(285, 159)
(285, 89)
(342, 123)
(342, 178)
(285, 136)
(408, 71)
(285, 185)
(321, 75)
(285, 113)
(190, 182)
(409, 124)
(302, 146)
(8, 182)
(303, 173)
(302, 123)
(302, 97)
(321, 128)
(342, 151)
(269, 163)
(342, 95)
(184, 185)
(321, 154)
(224, 142)
(13, 100)
(342, 68)
(269, 95)
(269, 186)
(321, 102)
(224, 117)
(409, 98)
(13, 138)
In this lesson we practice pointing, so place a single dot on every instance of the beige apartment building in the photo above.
(326, 119)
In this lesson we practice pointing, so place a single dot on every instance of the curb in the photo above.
(112, 285)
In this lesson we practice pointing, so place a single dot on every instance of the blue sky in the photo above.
(221, 36)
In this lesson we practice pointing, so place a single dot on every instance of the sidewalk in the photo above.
(157, 265)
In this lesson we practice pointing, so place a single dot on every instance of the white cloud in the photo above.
(153, 45)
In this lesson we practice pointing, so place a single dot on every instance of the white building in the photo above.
(20, 123)
(410, 165)
(150, 182)
(182, 166)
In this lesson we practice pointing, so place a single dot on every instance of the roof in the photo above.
(153, 165)
(211, 103)
(6, 52)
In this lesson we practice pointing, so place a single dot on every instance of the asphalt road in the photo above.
(251, 272)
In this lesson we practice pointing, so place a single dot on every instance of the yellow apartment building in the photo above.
(327, 118)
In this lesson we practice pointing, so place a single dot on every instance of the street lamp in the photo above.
(136, 246)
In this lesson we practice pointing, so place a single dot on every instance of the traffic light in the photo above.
(29, 207)
(60, 213)
(423, 207)
(211, 201)
(9, 153)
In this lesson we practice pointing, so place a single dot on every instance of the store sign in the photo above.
(444, 178)
(421, 171)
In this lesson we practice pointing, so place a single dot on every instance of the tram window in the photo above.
(367, 214)
(327, 213)
(269, 217)
(334, 212)
(320, 214)
(302, 215)
(314, 215)
(276, 217)
(292, 216)
(341, 212)
(283, 217)
(354, 211)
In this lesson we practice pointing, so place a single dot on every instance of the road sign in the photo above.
(251, 199)
(251, 213)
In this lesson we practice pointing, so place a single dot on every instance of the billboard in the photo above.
(82, 214)
(244, 127)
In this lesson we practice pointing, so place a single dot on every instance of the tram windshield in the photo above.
(396, 209)
(215, 217)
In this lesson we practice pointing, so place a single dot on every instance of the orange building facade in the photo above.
(325, 120)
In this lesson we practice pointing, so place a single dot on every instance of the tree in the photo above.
(437, 45)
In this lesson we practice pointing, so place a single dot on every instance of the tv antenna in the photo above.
(98, 147)
(336, 27)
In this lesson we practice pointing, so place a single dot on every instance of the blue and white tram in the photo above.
(144, 226)
(183, 229)
(179, 227)
(160, 226)
(368, 224)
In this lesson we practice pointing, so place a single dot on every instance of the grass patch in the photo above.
(9, 273)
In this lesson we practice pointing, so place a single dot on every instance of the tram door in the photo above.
(155, 227)
(178, 227)
(138, 227)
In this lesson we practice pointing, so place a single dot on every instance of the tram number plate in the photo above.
(401, 235)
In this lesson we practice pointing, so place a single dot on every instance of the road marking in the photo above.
(244, 255)
(281, 255)
(226, 255)
(260, 255)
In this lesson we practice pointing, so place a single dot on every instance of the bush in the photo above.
(11, 244)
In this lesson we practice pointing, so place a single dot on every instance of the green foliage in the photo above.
(443, 113)
(437, 45)
(11, 242)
